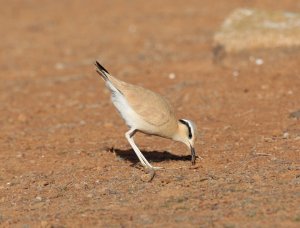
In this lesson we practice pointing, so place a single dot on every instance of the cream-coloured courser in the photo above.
(147, 112)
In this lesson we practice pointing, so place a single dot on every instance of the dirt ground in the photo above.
(58, 126)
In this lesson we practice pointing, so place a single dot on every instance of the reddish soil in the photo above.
(58, 125)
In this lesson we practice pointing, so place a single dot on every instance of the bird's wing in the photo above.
(152, 107)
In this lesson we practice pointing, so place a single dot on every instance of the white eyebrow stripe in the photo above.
(189, 126)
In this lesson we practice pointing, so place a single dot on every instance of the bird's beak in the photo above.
(193, 153)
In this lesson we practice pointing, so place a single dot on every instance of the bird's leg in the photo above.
(129, 134)
(141, 157)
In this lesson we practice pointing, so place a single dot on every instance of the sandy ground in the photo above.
(58, 127)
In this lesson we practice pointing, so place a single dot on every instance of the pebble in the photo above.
(286, 135)
(259, 61)
(172, 76)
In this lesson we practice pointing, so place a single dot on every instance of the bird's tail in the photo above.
(102, 71)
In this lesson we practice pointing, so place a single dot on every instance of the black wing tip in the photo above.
(100, 67)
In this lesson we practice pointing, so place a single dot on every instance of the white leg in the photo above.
(141, 157)
(129, 134)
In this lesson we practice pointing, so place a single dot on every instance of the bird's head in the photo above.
(187, 134)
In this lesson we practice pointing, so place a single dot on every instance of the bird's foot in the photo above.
(148, 176)
(194, 158)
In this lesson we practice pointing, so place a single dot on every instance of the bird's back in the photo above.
(152, 107)
(141, 108)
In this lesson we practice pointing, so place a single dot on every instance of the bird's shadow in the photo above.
(151, 156)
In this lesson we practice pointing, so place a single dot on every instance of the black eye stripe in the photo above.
(188, 126)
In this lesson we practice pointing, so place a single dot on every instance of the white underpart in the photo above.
(132, 119)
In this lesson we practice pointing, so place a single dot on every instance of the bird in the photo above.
(148, 112)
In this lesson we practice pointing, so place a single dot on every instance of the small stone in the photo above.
(259, 61)
(38, 198)
(246, 29)
(286, 135)
(172, 76)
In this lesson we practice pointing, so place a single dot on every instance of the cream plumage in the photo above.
(147, 112)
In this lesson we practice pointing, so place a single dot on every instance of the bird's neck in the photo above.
(180, 134)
